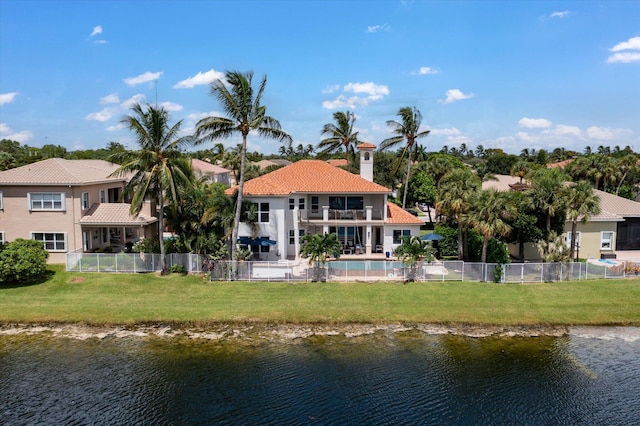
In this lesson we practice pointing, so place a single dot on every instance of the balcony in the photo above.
(342, 215)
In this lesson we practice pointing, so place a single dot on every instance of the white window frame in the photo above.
(85, 201)
(30, 201)
(103, 196)
(54, 240)
(568, 242)
(1, 201)
(2, 240)
(608, 241)
(262, 214)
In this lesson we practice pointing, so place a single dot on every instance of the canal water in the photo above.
(591, 376)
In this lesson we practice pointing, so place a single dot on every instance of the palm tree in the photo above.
(407, 130)
(546, 194)
(317, 247)
(414, 250)
(453, 199)
(521, 169)
(242, 105)
(340, 135)
(159, 166)
(489, 214)
(582, 203)
(627, 164)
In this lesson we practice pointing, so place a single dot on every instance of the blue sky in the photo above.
(502, 74)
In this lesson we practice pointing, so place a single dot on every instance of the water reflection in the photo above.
(386, 378)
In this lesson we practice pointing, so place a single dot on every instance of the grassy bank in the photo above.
(126, 299)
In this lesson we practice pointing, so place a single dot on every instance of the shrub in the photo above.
(22, 261)
(178, 269)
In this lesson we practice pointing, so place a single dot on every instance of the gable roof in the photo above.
(310, 176)
(58, 171)
(206, 167)
(613, 207)
(399, 216)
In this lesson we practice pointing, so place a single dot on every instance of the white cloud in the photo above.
(607, 134)
(624, 57)
(96, 30)
(22, 137)
(372, 91)
(170, 106)
(564, 130)
(116, 127)
(454, 95)
(534, 123)
(330, 89)
(6, 98)
(104, 115)
(369, 88)
(143, 78)
(199, 79)
(561, 15)
(110, 99)
(425, 71)
(445, 132)
(135, 99)
(622, 53)
(632, 44)
(376, 28)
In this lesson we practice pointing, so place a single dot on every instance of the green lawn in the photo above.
(102, 298)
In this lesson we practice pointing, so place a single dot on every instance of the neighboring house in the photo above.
(211, 172)
(338, 162)
(69, 205)
(263, 164)
(312, 196)
(615, 232)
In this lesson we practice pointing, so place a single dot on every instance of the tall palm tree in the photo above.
(582, 203)
(158, 166)
(340, 135)
(408, 130)
(521, 169)
(546, 194)
(489, 214)
(245, 114)
(456, 188)
(414, 250)
(625, 165)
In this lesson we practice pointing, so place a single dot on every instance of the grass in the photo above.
(101, 298)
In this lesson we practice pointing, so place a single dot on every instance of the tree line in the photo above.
(206, 220)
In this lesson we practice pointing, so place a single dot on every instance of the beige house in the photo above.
(614, 233)
(211, 172)
(70, 205)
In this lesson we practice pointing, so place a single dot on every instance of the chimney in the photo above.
(366, 160)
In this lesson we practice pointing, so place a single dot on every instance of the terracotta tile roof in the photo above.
(206, 167)
(398, 215)
(58, 171)
(561, 164)
(338, 162)
(310, 176)
(114, 214)
(366, 145)
(263, 164)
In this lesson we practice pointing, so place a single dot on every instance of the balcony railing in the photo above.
(335, 214)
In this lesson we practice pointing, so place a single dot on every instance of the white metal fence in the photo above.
(132, 262)
(374, 270)
(352, 270)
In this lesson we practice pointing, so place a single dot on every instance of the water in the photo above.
(384, 378)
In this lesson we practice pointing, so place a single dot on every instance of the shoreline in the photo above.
(292, 332)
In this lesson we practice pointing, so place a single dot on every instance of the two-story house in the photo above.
(69, 205)
(312, 196)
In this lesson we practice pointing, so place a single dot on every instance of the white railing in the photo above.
(354, 270)
(133, 262)
(380, 270)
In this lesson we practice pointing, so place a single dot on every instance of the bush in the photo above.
(22, 261)
(178, 269)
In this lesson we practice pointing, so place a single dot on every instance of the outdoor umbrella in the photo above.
(432, 237)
